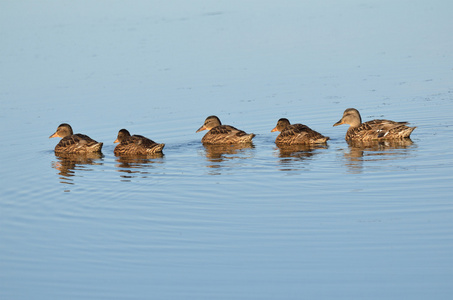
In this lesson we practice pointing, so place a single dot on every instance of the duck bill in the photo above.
(116, 141)
(54, 135)
(201, 128)
(338, 123)
(275, 129)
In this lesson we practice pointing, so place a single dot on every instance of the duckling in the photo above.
(223, 134)
(373, 130)
(135, 144)
(74, 143)
(297, 134)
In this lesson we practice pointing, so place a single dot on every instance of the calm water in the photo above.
(259, 222)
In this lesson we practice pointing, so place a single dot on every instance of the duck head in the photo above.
(63, 130)
(122, 135)
(281, 125)
(351, 116)
(209, 123)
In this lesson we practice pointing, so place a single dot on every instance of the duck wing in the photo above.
(300, 134)
(138, 145)
(81, 140)
(227, 130)
(295, 129)
(78, 143)
(380, 129)
(143, 141)
(226, 134)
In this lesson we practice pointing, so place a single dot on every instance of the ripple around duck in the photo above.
(232, 208)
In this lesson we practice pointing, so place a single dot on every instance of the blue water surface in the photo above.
(256, 222)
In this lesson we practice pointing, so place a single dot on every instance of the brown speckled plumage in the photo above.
(135, 144)
(373, 130)
(74, 143)
(297, 134)
(223, 134)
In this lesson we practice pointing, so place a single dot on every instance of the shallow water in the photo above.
(257, 222)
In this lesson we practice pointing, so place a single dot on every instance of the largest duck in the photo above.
(74, 143)
(219, 134)
(373, 130)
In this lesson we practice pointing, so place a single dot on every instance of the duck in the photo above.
(223, 134)
(135, 144)
(297, 134)
(374, 129)
(74, 143)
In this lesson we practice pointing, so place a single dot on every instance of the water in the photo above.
(249, 223)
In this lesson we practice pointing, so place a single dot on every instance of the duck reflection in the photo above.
(360, 151)
(66, 164)
(217, 155)
(295, 153)
(131, 166)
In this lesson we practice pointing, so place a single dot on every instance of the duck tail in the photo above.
(324, 139)
(160, 147)
(407, 132)
(156, 149)
(249, 137)
(96, 147)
